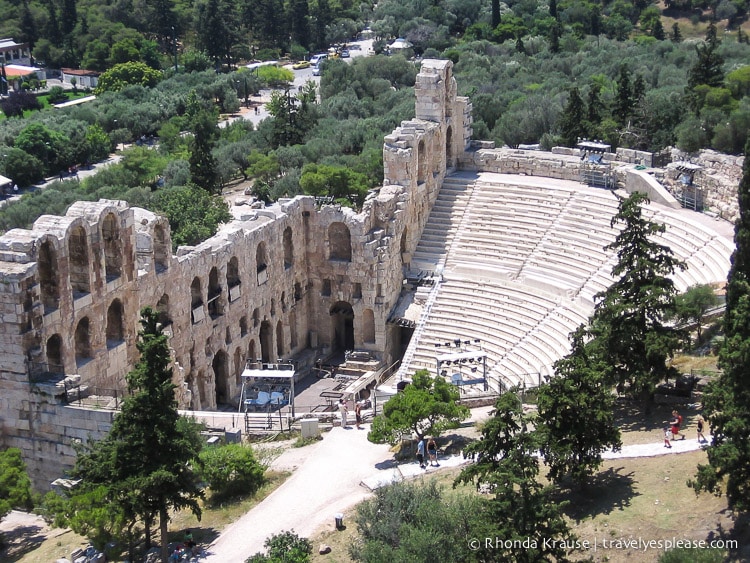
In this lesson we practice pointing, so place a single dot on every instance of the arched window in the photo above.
(215, 301)
(421, 163)
(243, 326)
(261, 262)
(161, 249)
(339, 242)
(54, 354)
(48, 283)
(112, 247)
(288, 248)
(78, 253)
(82, 342)
(368, 326)
(233, 273)
(239, 366)
(221, 376)
(196, 300)
(162, 310)
(115, 324)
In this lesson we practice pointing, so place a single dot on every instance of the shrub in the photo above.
(231, 471)
(286, 547)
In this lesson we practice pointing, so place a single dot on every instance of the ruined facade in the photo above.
(291, 280)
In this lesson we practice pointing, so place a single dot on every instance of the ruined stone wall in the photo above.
(271, 284)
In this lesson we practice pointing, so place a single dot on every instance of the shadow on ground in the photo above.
(603, 493)
(20, 541)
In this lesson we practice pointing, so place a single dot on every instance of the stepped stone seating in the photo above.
(523, 262)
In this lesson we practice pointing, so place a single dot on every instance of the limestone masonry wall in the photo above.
(271, 284)
(292, 280)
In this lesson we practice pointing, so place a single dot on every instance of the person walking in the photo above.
(700, 425)
(343, 410)
(432, 452)
(667, 433)
(358, 415)
(420, 453)
(675, 424)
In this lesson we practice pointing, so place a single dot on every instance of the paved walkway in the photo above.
(337, 473)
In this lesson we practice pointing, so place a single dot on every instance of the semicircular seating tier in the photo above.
(522, 259)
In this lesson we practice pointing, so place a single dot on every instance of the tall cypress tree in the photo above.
(726, 402)
(628, 321)
(572, 123)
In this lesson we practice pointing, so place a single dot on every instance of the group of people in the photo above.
(431, 448)
(344, 410)
(673, 430)
(184, 550)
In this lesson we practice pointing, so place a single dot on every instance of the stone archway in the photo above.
(78, 256)
(221, 377)
(266, 342)
(279, 339)
(342, 326)
(112, 247)
(115, 331)
(48, 269)
(55, 354)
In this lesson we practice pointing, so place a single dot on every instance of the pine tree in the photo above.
(576, 412)
(572, 125)
(520, 47)
(628, 319)
(658, 30)
(726, 402)
(553, 8)
(143, 467)
(202, 122)
(555, 33)
(495, 21)
(29, 31)
(69, 16)
(623, 96)
(707, 69)
(522, 509)
(676, 35)
(594, 104)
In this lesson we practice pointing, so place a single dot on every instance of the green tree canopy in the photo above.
(576, 415)
(126, 74)
(427, 406)
(691, 306)
(726, 402)
(15, 485)
(628, 321)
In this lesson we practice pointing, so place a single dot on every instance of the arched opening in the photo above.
(266, 342)
(161, 249)
(261, 263)
(202, 390)
(78, 252)
(162, 311)
(54, 354)
(48, 284)
(339, 242)
(238, 367)
(421, 163)
(228, 336)
(293, 330)
(368, 326)
(82, 342)
(196, 300)
(279, 339)
(252, 355)
(342, 324)
(449, 148)
(233, 279)
(221, 374)
(112, 247)
(288, 248)
(256, 317)
(215, 302)
(243, 325)
(115, 324)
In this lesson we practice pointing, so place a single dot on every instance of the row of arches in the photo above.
(115, 334)
(79, 262)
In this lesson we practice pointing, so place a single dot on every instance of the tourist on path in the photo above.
(432, 452)
(420, 453)
(701, 423)
(358, 415)
(675, 423)
(343, 410)
(667, 443)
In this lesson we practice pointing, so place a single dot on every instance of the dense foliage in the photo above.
(15, 485)
(144, 468)
(727, 401)
(417, 522)
(285, 547)
(426, 406)
(231, 470)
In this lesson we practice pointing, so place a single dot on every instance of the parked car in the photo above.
(344, 54)
(302, 64)
(315, 59)
(316, 70)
